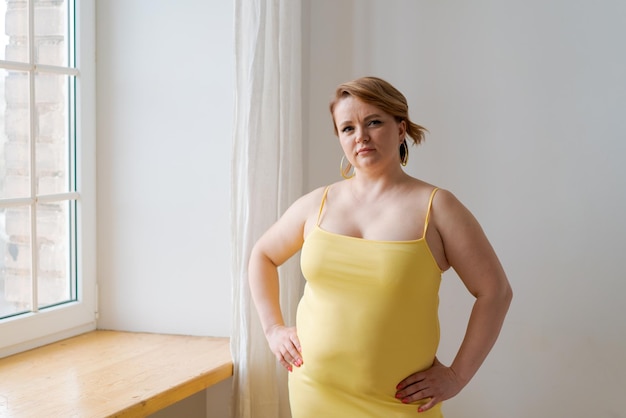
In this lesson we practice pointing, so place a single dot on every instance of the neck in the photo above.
(371, 186)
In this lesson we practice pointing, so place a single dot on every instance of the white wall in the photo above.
(165, 113)
(525, 105)
(165, 101)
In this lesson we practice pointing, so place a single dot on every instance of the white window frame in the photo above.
(26, 331)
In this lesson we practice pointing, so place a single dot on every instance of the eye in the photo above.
(375, 122)
(347, 129)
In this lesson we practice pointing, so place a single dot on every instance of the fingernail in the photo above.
(420, 409)
(405, 400)
(398, 395)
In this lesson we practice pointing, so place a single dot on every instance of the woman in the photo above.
(374, 247)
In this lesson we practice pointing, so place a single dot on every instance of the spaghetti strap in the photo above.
(430, 204)
(319, 215)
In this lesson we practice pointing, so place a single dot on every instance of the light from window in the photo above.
(37, 156)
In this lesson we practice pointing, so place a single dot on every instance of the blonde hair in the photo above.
(378, 92)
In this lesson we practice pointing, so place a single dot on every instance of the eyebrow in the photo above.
(367, 118)
(373, 116)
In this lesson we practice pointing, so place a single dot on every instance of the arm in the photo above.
(469, 252)
(281, 241)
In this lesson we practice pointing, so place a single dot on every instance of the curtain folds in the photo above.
(266, 179)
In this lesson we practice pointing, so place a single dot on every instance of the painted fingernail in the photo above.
(405, 400)
(420, 409)
(398, 395)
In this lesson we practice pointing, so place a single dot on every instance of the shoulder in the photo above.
(446, 203)
(285, 236)
(454, 222)
(316, 196)
(447, 210)
(310, 199)
(466, 247)
(309, 203)
(444, 199)
(420, 190)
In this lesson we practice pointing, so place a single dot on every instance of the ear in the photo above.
(402, 130)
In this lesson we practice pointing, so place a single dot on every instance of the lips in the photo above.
(364, 151)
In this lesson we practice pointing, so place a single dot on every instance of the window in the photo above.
(47, 171)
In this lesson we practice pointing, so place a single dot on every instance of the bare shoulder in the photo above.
(448, 210)
(333, 192)
(308, 202)
(419, 186)
(420, 191)
(303, 210)
(452, 219)
(465, 245)
(445, 200)
(285, 237)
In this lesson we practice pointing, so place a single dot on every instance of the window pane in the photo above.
(14, 34)
(15, 260)
(14, 134)
(51, 32)
(51, 105)
(53, 251)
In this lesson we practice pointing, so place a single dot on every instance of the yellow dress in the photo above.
(368, 319)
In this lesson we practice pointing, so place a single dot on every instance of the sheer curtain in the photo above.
(266, 179)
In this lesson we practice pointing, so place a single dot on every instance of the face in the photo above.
(370, 137)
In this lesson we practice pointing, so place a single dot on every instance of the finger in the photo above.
(416, 392)
(296, 342)
(432, 402)
(291, 354)
(294, 354)
(407, 391)
(286, 355)
(411, 380)
(285, 364)
(298, 361)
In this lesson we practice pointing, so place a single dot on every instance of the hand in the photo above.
(437, 383)
(285, 345)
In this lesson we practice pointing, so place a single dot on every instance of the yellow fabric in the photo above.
(368, 319)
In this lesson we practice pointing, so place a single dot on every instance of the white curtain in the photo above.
(266, 179)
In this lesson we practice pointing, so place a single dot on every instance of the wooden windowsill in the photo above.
(110, 374)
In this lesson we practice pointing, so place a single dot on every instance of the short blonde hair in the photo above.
(378, 92)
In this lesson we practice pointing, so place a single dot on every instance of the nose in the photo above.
(361, 135)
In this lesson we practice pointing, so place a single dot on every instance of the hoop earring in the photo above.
(345, 171)
(404, 153)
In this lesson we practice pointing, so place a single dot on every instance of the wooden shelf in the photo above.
(110, 374)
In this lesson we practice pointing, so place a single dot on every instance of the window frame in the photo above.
(22, 332)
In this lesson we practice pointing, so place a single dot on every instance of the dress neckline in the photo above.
(409, 241)
(383, 242)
